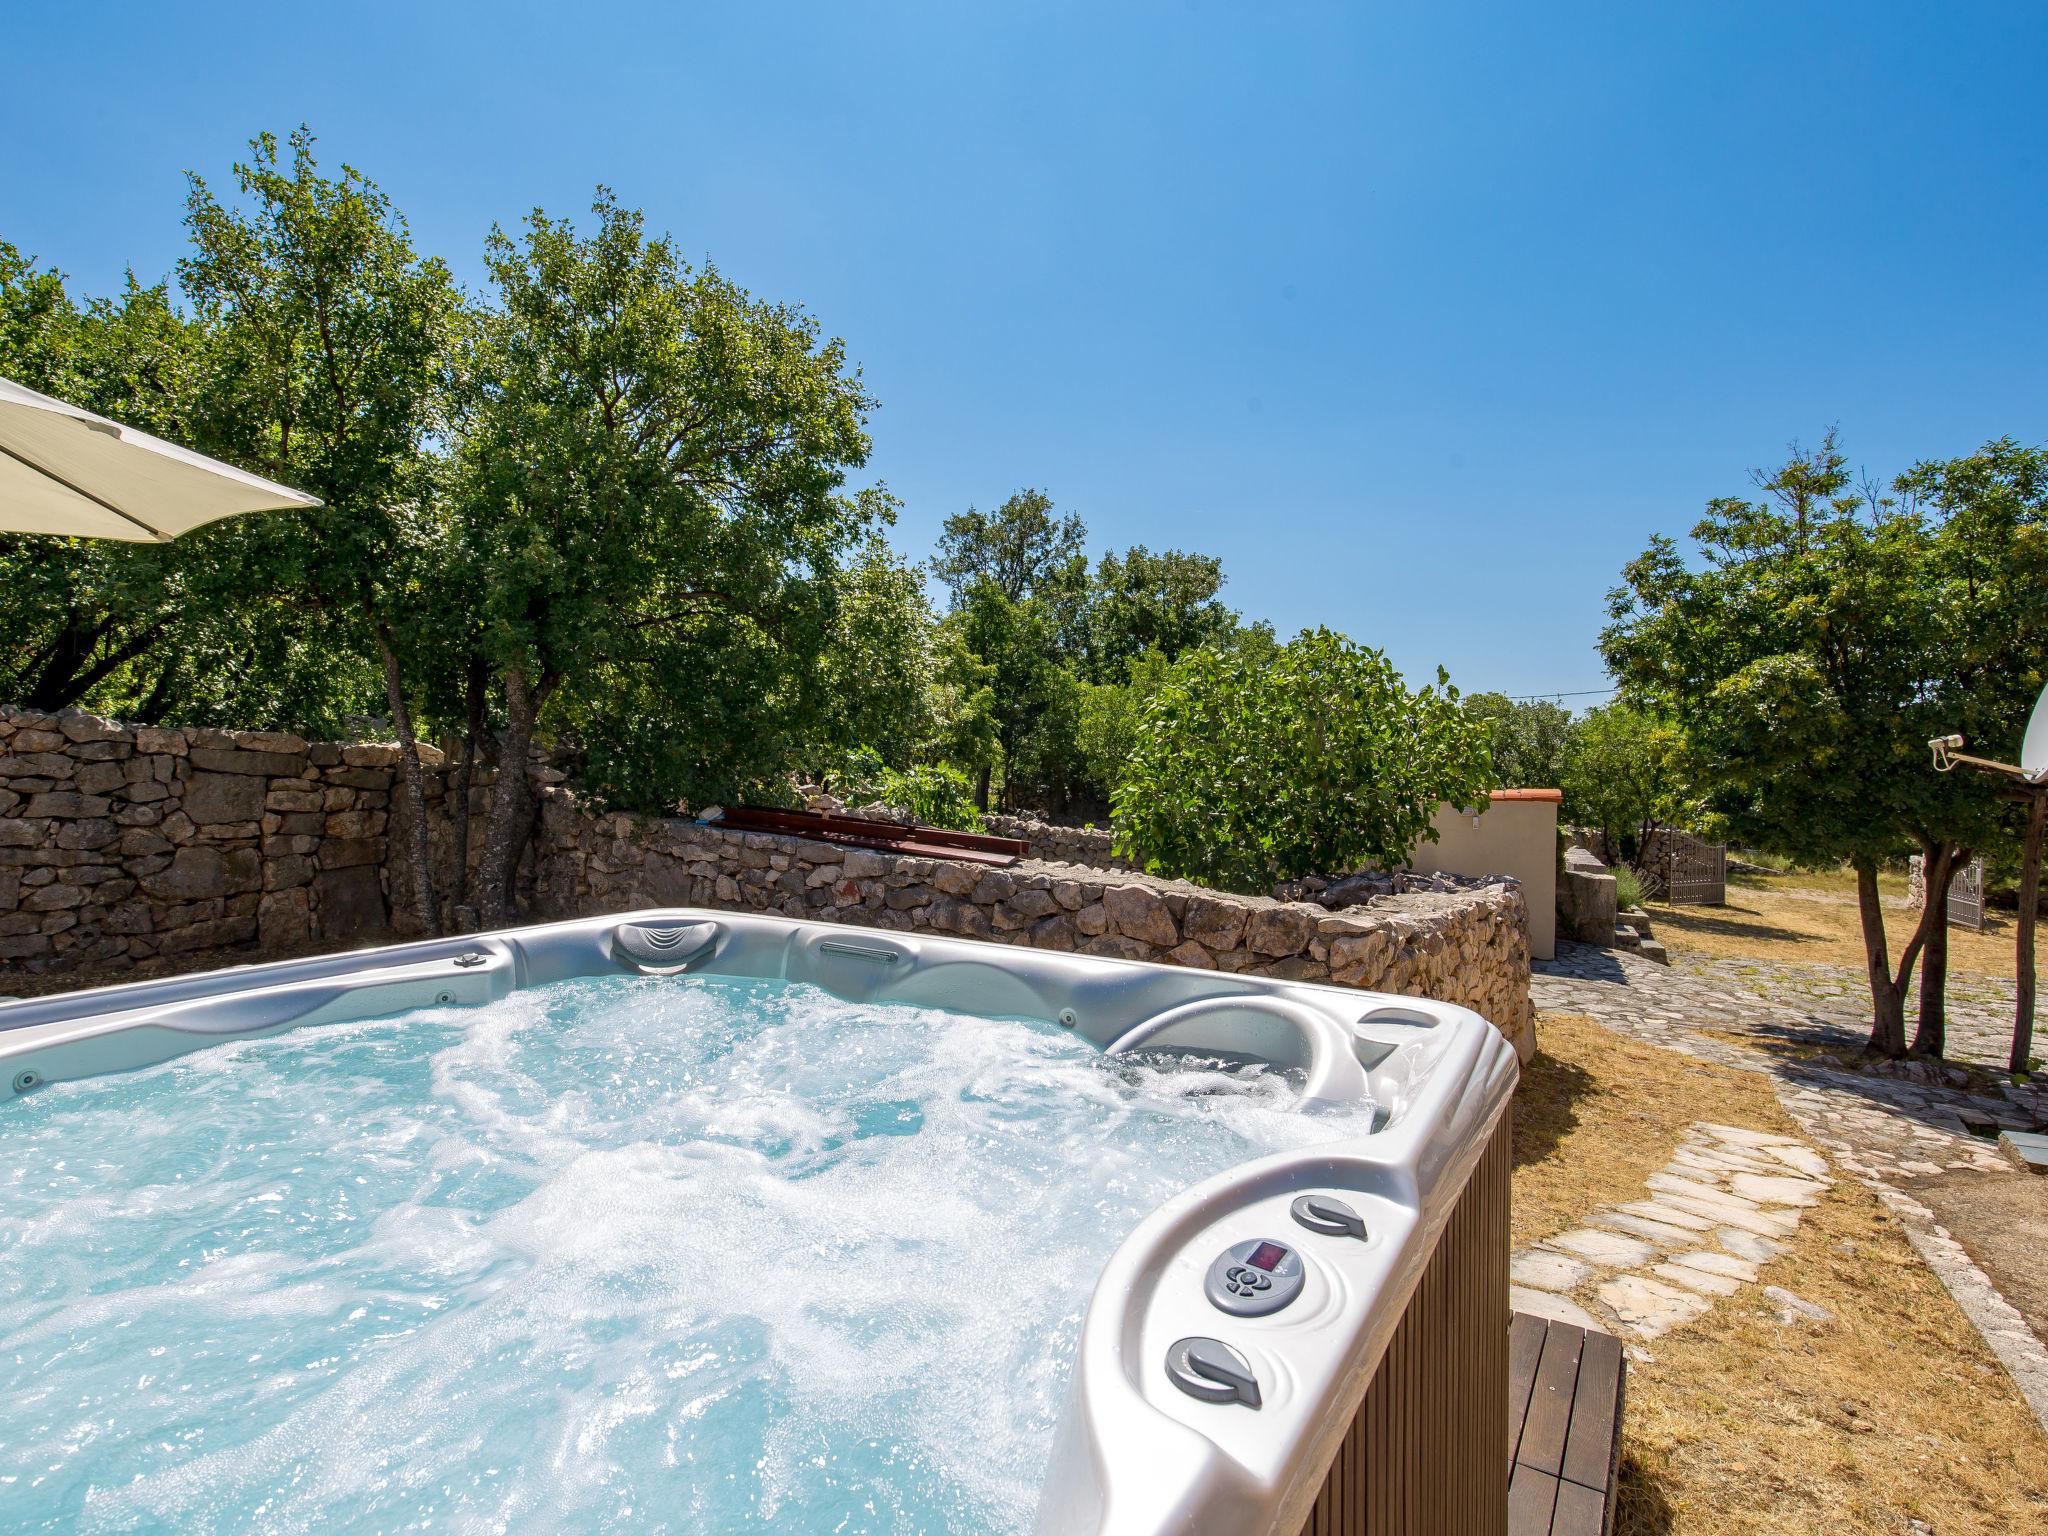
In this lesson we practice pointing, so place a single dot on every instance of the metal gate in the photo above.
(1698, 876)
(1966, 896)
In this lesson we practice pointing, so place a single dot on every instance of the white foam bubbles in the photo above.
(640, 1254)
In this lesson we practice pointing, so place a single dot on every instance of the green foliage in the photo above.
(1628, 888)
(936, 794)
(1827, 634)
(325, 339)
(146, 631)
(1531, 739)
(1142, 602)
(1252, 767)
(1021, 548)
(880, 665)
(1110, 716)
(1623, 772)
(651, 465)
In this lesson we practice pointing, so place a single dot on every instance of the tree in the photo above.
(326, 343)
(1021, 547)
(1531, 739)
(1622, 773)
(1015, 641)
(1988, 577)
(1145, 602)
(1255, 766)
(652, 465)
(881, 665)
(1110, 717)
(1829, 632)
(186, 630)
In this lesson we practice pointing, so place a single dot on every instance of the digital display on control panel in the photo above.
(1265, 1256)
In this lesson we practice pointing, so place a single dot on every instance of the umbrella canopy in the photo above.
(66, 471)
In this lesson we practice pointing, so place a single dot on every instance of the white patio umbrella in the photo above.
(65, 471)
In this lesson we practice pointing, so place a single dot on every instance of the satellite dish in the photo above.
(2034, 750)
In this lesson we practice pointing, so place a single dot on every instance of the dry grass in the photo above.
(1812, 919)
(1594, 1117)
(1736, 1423)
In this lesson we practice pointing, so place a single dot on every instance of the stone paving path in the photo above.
(1719, 1209)
(1882, 1130)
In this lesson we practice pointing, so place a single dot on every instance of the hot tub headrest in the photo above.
(663, 949)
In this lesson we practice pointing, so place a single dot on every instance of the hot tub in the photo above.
(701, 1221)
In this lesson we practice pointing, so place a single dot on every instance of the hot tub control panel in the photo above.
(1252, 1278)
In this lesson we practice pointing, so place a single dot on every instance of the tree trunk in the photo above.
(981, 789)
(1887, 998)
(1938, 860)
(459, 783)
(2030, 905)
(511, 813)
(415, 788)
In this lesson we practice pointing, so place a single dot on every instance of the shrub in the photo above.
(1628, 888)
(937, 794)
(1257, 764)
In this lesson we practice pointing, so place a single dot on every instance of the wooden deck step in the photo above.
(1565, 1389)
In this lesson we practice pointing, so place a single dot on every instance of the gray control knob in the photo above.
(1328, 1215)
(1212, 1371)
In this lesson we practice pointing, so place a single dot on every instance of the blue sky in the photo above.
(1423, 317)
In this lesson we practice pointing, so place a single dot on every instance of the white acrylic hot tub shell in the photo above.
(1132, 1453)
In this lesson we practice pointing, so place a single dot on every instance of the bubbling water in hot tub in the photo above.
(699, 1255)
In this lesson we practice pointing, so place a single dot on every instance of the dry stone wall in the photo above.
(1093, 846)
(128, 844)
(1467, 946)
(124, 843)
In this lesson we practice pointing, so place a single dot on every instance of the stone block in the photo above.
(149, 738)
(82, 727)
(221, 797)
(994, 885)
(19, 832)
(279, 765)
(285, 919)
(61, 802)
(350, 902)
(210, 933)
(88, 834)
(54, 898)
(193, 874)
(20, 765)
(1137, 912)
(343, 853)
(1214, 922)
(1284, 928)
(1055, 932)
(350, 824)
(1033, 902)
(242, 870)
